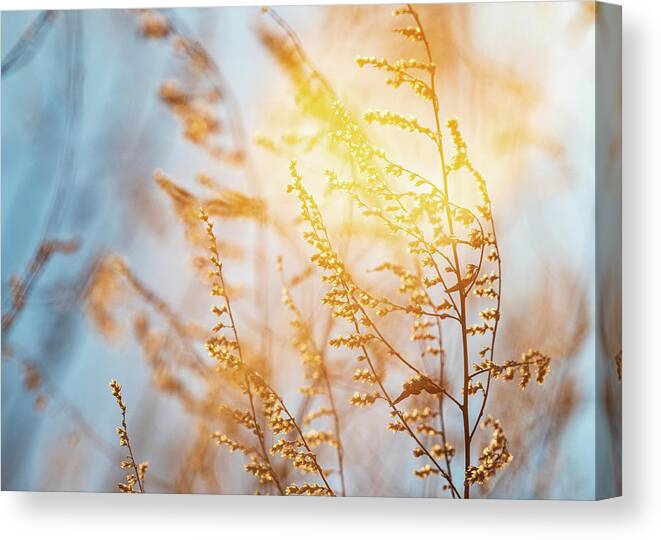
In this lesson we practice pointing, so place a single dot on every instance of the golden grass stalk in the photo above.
(129, 463)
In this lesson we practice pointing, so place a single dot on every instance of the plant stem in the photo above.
(258, 430)
(457, 268)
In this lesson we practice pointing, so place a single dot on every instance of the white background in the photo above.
(636, 515)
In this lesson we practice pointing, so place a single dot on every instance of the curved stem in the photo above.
(495, 328)
(386, 395)
(258, 431)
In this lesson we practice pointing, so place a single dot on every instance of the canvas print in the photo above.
(358, 250)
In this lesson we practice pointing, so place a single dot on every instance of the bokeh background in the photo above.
(85, 127)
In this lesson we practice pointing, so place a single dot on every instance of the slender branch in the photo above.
(125, 441)
(246, 379)
(441, 408)
(26, 46)
(351, 300)
(298, 47)
(401, 418)
(495, 327)
(329, 390)
(298, 430)
(35, 268)
(462, 295)
(215, 260)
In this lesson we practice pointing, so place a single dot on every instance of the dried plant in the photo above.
(457, 275)
(318, 379)
(227, 352)
(443, 236)
(194, 101)
(385, 365)
(129, 463)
